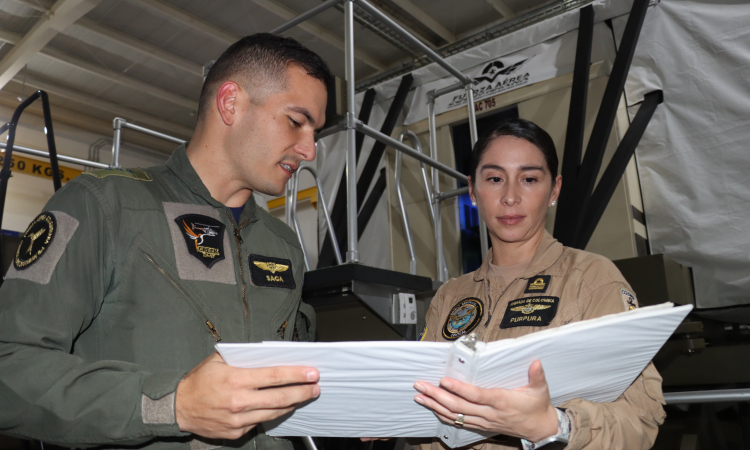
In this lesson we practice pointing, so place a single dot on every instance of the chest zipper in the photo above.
(492, 309)
(211, 328)
(238, 240)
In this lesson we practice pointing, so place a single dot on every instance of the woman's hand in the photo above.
(525, 412)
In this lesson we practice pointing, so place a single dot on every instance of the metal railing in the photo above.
(710, 396)
(351, 125)
(321, 201)
(118, 124)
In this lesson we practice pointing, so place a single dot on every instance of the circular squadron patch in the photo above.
(463, 318)
(35, 241)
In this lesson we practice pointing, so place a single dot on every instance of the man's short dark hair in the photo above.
(259, 62)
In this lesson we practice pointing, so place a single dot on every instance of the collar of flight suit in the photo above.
(180, 165)
(547, 254)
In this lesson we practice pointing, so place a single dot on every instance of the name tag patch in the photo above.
(36, 240)
(538, 284)
(530, 312)
(204, 237)
(463, 318)
(271, 272)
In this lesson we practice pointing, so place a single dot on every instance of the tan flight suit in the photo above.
(587, 286)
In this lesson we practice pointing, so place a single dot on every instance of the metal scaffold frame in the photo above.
(351, 125)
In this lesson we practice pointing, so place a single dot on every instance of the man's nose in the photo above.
(306, 148)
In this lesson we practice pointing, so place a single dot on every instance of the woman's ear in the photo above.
(471, 192)
(556, 189)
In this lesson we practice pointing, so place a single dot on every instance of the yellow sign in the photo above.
(37, 168)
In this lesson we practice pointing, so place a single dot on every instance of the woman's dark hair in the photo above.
(518, 128)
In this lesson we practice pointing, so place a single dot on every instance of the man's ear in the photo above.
(226, 101)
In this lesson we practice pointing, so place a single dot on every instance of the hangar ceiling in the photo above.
(143, 59)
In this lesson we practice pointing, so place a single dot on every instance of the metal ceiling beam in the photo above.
(230, 38)
(199, 24)
(141, 46)
(123, 39)
(426, 20)
(111, 75)
(502, 8)
(61, 15)
(94, 102)
(318, 31)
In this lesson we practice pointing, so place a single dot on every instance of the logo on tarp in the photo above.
(463, 318)
(495, 69)
(530, 312)
(204, 237)
(271, 272)
(35, 240)
(495, 77)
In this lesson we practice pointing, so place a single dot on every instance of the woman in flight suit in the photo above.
(530, 282)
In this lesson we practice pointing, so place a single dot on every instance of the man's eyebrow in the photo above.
(527, 168)
(304, 112)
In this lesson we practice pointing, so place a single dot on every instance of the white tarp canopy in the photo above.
(548, 46)
(694, 159)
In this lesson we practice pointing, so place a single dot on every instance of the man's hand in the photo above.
(526, 412)
(216, 400)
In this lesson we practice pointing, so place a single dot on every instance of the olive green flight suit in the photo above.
(98, 325)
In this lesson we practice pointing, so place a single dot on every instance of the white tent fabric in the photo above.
(557, 32)
(693, 158)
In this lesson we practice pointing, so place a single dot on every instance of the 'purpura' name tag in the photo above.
(530, 312)
(271, 272)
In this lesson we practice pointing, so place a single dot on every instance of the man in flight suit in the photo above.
(121, 287)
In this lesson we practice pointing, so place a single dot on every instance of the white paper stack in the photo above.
(367, 388)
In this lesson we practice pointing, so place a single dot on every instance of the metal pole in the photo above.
(414, 41)
(437, 223)
(117, 125)
(304, 16)
(473, 132)
(447, 90)
(293, 212)
(405, 216)
(151, 132)
(389, 141)
(712, 396)
(439, 253)
(352, 255)
(418, 146)
(288, 202)
(450, 194)
(70, 159)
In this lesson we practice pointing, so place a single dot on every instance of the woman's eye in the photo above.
(529, 180)
(494, 179)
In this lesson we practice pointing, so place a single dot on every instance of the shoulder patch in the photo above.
(42, 246)
(36, 240)
(135, 174)
(423, 333)
(629, 302)
(463, 318)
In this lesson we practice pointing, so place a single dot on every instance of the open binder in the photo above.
(366, 388)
